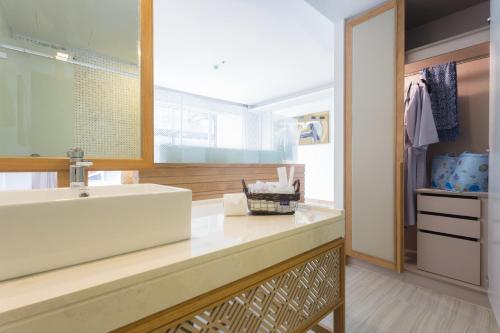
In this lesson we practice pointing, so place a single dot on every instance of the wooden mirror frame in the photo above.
(33, 164)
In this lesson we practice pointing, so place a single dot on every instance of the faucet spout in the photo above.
(77, 168)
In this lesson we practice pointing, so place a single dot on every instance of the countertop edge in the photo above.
(53, 304)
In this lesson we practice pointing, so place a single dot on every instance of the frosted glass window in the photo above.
(101, 178)
(194, 129)
(229, 130)
(27, 180)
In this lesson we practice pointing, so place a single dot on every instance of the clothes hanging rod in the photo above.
(463, 61)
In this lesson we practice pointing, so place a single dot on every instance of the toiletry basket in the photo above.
(273, 203)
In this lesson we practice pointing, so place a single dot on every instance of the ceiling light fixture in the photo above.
(218, 65)
(62, 56)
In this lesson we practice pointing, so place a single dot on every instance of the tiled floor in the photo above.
(377, 303)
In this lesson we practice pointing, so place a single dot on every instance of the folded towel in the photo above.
(442, 80)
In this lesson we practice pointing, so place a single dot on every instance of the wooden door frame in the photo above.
(61, 164)
(399, 6)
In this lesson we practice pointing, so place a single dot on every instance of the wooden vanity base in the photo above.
(292, 296)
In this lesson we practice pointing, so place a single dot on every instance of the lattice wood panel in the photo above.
(280, 304)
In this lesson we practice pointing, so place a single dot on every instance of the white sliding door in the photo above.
(374, 143)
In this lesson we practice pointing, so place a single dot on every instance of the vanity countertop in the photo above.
(106, 294)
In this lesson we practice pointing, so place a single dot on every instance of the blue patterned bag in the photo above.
(471, 174)
(443, 167)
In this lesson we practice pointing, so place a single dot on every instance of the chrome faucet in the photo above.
(77, 166)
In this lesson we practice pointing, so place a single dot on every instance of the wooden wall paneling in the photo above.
(62, 179)
(209, 181)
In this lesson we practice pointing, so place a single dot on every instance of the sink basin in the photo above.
(42, 230)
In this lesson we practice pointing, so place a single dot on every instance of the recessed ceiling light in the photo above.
(62, 56)
(218, 65)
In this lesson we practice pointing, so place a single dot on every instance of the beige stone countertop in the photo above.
(106, 294)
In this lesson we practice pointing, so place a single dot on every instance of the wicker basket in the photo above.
(273, 203)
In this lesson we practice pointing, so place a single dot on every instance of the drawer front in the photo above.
(470, 207)
(452, 257)
(449, 225)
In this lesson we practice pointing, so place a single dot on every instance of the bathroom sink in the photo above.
(42, 230)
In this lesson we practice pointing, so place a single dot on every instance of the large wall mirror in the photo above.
(242, 82)
(75, 74)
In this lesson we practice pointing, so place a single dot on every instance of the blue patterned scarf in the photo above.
(442, 80)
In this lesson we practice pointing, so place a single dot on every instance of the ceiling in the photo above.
(339, 10)
(263, 49)
(108, 27)
(419, 12)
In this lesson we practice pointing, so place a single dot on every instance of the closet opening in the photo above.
(447, 71)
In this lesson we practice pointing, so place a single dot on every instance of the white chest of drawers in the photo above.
(452, 234)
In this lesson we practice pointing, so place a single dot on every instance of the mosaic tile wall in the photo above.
(107, 108)
(102, 94)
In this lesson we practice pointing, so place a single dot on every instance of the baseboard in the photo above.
(472, 294)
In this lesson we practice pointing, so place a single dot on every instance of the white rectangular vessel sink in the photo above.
(42, 230)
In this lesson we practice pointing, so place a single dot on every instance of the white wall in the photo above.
(319, 171)
(494, 201)
(319, 159)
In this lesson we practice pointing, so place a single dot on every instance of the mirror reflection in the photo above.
(241, 81)
(69, 77)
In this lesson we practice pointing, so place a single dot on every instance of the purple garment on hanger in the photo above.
(420, 132)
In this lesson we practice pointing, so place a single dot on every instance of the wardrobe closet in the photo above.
(450, 232)
(450, 236)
